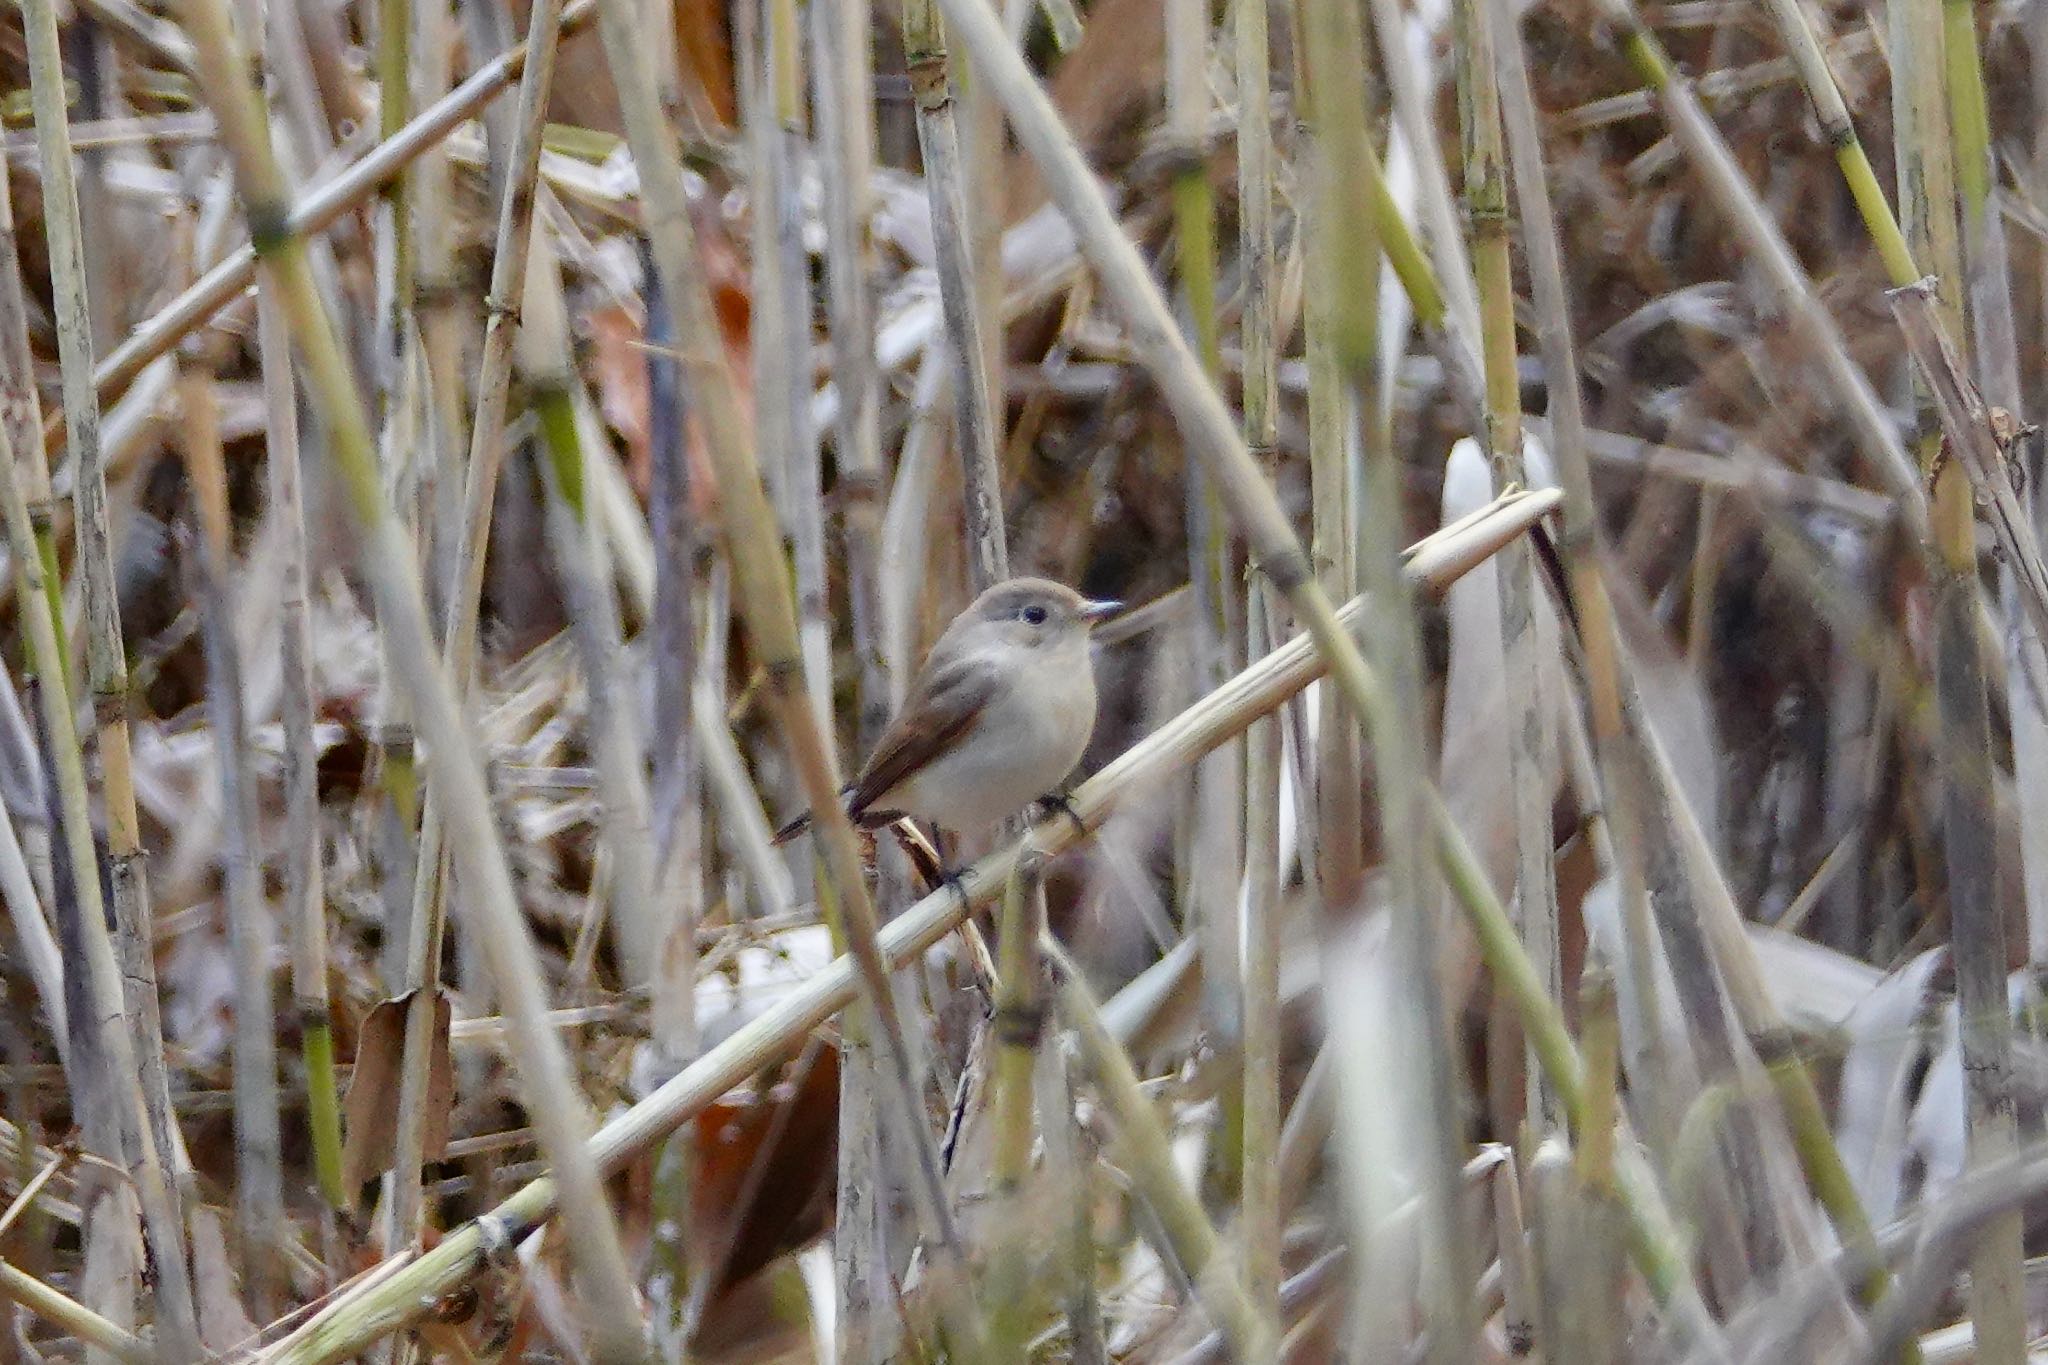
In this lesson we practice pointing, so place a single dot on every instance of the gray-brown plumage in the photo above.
(997, 717)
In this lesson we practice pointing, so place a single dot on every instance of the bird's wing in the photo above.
(943, 705)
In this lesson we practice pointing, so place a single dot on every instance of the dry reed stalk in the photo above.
(440, 323)
(1333, 37)
(95, 1332)
(1210, 858)
(1531, 747)
(763, 596)
(640, 926)
(470, 539)
(1146, 1155)
(1930, 201)
(865, 1226)
(1976, 919)
(259, 1150)
(140, 1042)
(104, 1099)
(1339, 791)
(938, 139)
(410, 1282)
(559, 1113)
(21, 413)
(784, 384)
(304, 905)
(1260, 1181)
(1064, 1170)
(395, 230)
(1017, 1027)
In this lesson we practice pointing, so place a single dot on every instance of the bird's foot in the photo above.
(1056, 803)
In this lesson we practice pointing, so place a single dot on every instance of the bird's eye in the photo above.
(1035, 615)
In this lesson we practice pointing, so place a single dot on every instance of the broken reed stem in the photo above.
(761, 581)
(1531, 752)
(406, 1289)
(557, 1110)
(945, 176)
(259, 1149)
(133, 1034)
(304, 910)
(1259, 1179)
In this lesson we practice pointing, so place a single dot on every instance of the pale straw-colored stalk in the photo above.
(938, 137)
(140, 1042)
(1531, 747)
(1425, 1137)
(304, 908)
(1930, 200)
(866, 1225)
(1260, 1184)
(97, 1333)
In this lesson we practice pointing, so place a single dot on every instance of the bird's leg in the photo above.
(1057, 803)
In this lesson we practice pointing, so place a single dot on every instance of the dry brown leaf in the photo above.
(371, 1113)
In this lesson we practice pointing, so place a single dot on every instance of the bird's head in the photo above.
(1037, 614)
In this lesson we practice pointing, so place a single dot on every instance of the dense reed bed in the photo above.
(1561, 869)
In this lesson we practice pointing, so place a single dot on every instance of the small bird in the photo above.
(997, 717)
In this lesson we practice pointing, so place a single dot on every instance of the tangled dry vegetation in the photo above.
(475, 469)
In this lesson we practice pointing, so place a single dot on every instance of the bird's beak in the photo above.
(1095, 613)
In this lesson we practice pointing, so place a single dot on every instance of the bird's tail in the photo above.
(792, 829)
